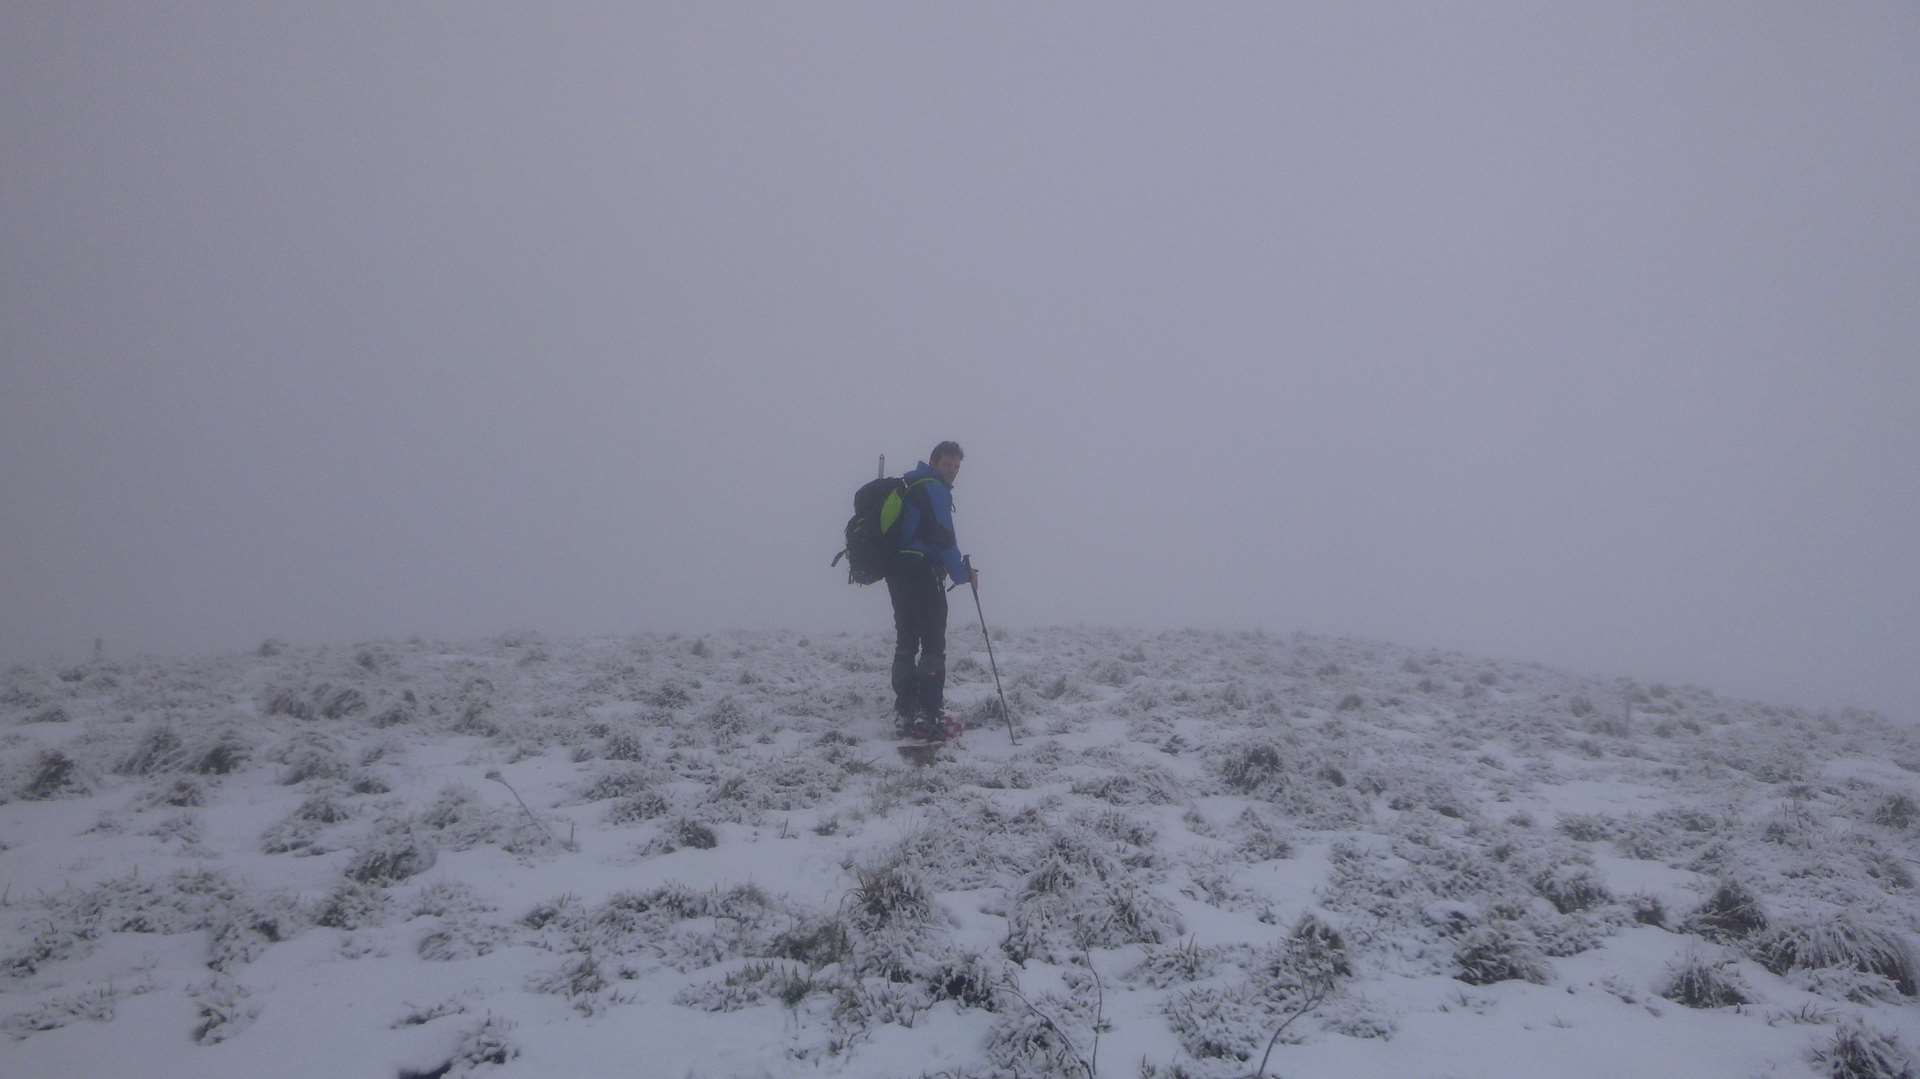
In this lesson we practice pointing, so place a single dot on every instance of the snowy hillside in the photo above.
(676, 856)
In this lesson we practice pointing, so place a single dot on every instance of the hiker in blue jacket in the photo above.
(928, 552)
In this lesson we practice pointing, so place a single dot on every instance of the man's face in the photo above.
(949, 468)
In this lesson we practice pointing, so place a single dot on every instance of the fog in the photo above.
(1586, 336)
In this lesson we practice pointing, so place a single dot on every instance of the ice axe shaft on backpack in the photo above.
(991, 662)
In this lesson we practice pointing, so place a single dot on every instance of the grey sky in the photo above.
(1584, 333)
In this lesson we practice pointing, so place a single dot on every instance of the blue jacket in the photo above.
(932, 539)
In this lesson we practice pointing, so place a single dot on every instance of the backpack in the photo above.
(873, 532)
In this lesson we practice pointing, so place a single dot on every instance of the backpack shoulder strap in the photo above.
(931, 529)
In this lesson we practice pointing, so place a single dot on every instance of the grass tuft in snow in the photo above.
(1897, 811)
(1499, 952)
(391, 857)
(1571, 888)
(1843, 942)
(223, 1008)
(93, 1005)
(1701, 983)
(482, 1047)
(1857, 1051)
(53, 775)
(159, 749)
(1731, 913)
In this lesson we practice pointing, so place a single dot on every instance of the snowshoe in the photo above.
(931, 730)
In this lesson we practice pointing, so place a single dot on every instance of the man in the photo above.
(928, 552)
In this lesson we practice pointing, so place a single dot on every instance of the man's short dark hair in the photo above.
(945, 449)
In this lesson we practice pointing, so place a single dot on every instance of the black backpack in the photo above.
(873, 532)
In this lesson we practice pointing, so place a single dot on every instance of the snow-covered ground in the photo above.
(679, 856)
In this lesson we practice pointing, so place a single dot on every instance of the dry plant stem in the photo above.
(1013, 986)
(1310, 1003)
(502, 780)
(1099, 1011)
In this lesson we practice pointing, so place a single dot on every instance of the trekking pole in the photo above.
(990, 660)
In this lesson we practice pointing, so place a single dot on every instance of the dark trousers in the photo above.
(919, 625)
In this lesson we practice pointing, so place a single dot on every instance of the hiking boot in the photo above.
(938, 728)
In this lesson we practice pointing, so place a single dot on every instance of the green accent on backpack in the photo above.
(871, 535)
